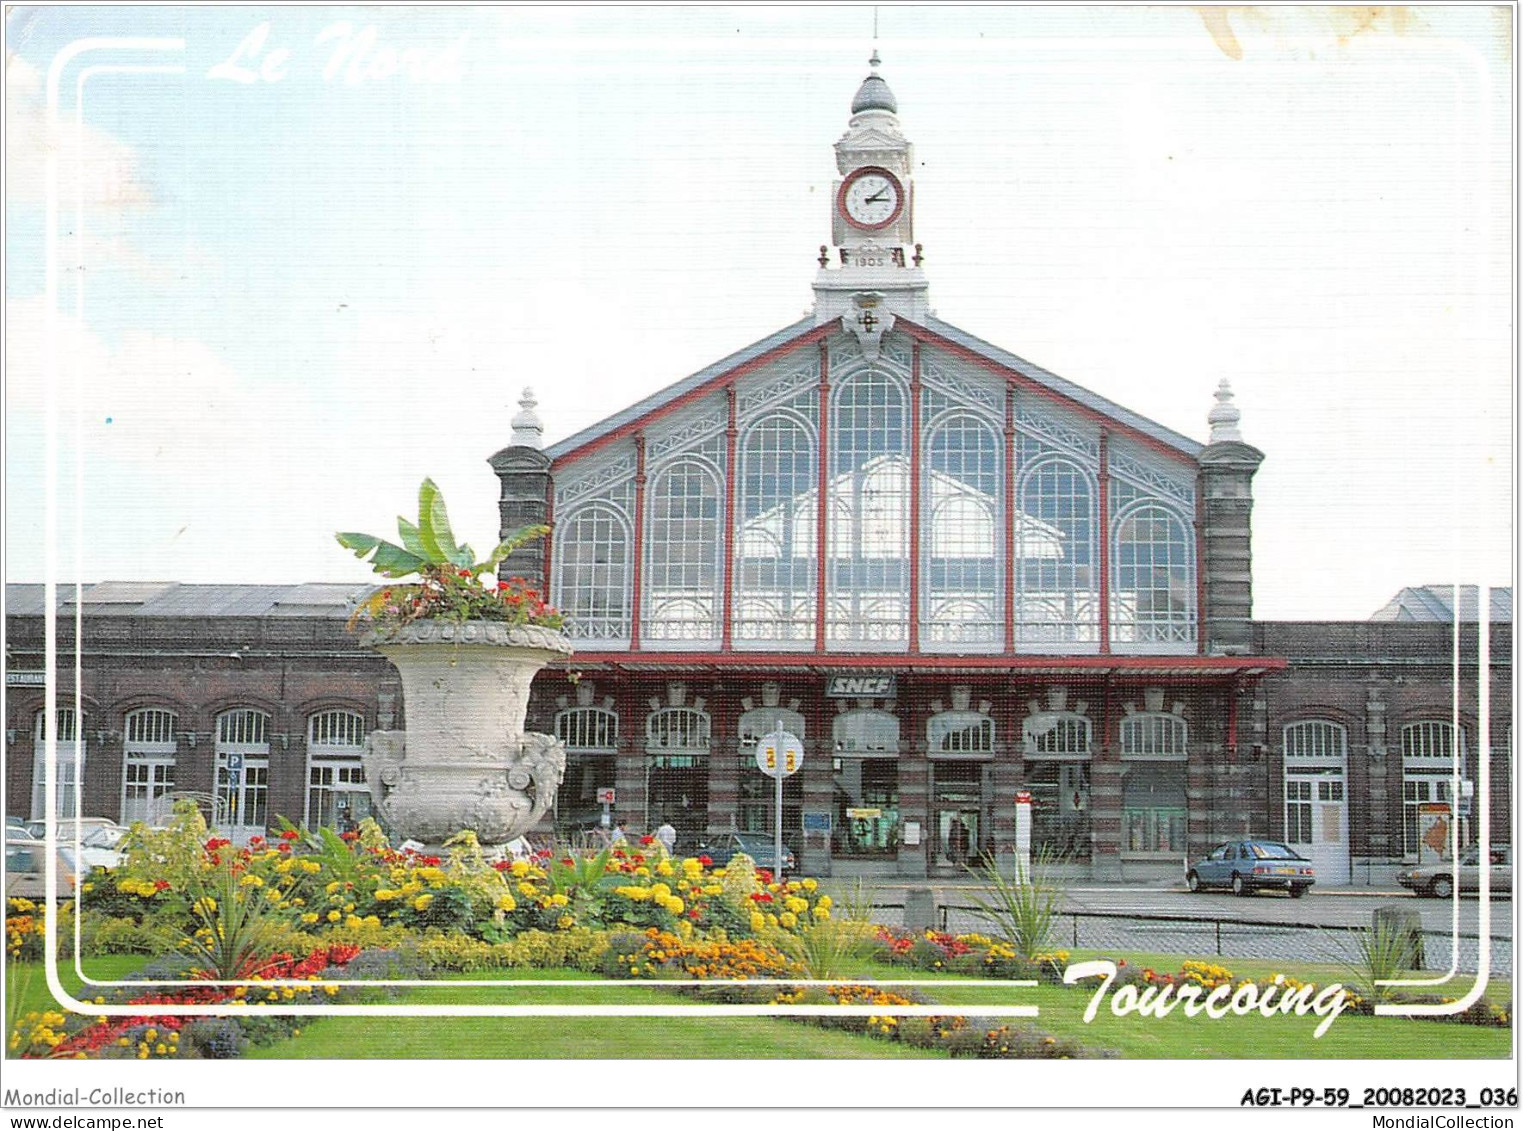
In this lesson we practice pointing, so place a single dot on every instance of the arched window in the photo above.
(960, 732)
(866, 731)
(775, 570)
(1057, 602)
(678, 729)
(243, 773)
(1153, 602)
(963, 533)
(868, 579)
(71, 760)
(148, 771)
(337, 796)
(1154, 735)
(683, 544)
(1431, 751)
(592, 572)
(589, 730)
(756, 801)
(1315, 740)
(1057, 734)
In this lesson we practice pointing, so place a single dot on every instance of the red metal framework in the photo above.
(637, 551)
(1009, 520)
(1103, 542)
(915, 477)
(821, 505)
(732, 435)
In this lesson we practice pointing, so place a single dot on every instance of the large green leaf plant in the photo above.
(452, 585)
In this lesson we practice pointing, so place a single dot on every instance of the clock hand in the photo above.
(881, 194)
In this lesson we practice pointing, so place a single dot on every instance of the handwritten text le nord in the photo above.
(354, 58)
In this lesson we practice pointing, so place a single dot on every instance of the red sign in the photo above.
(605, 797)
(1023, 798)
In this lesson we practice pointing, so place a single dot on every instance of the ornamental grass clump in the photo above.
(452, 585)
(1022, 909)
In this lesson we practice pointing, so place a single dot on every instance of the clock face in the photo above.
(872, 198)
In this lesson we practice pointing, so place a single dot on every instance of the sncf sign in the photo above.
(860, 687)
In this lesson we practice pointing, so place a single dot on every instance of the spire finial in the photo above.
(1224, 416)
(528, 432)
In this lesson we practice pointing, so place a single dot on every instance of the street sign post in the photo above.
(779, 755)
(606, 797)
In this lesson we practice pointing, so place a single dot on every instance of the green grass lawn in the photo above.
(1062, 1013)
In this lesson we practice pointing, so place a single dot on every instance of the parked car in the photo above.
(24, 861)
(758, 846)
(66, 826)
(1439, 879)
(1247, 866)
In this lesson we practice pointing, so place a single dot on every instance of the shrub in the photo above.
(120, 935)
(213, 1038)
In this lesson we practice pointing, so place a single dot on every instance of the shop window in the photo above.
(866, 818)
(1153, 809)
(243, 773)
(757, 800)
(591, 737)
(337, 796)
(676, 771)
(148, 771)
(70, 764)
(1432, 755)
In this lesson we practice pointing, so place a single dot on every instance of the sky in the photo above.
(320, 263)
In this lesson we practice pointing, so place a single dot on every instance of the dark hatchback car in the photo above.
(758, 846)
(1246, 866)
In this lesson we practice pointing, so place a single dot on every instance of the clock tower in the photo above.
(875, 266)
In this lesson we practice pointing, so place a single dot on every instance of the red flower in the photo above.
(217, 842)
(502, 587)
(465, 573)
(706, 861)
(764, 875)
(255, 841)
(647, 840)
(349, 837)
(568, 862)
(160, 885)
(693, 914)
(431, 861)
(503, 865)
(290, 834)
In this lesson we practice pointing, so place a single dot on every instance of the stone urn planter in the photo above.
(464, 761)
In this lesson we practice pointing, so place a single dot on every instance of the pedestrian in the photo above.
(667, 835)
(618, 835)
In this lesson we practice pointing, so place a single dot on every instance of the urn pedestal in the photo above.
(464, 761)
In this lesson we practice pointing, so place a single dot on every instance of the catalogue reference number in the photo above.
(1379, 1097)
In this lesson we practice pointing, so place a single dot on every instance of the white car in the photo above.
(1441, 879)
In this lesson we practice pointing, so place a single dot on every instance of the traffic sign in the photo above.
(779, 754)
(606, 797)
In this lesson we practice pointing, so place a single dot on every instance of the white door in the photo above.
(243, 786)
(1316, 823)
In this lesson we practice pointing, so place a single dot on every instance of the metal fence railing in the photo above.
(1232, 938)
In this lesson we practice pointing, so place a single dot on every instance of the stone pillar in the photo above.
(724, 768)
(818, 790)
(288, 775)
(914, 791)
(1105, 772)
(1005, 777)
(525, 501)
(629, 770)
(1383, 839)
(1225, 501)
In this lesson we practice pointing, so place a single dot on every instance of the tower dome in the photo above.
(874, 93)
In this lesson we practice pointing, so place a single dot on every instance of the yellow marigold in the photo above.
(675, 905)
(422, 902)
(251, 881)
(565, 922)
(311, 867)
(205, 905)
(309, 918)
(527, 889)
(412, 887)
(335, 915)
(796, 905)
(822, 913)
(663, 869)
(659, 891)
(692, 867)
(559, 900)
(385, 895)
(810, 885)
(506, 902)
(333, 887)
(285, 865)
(713, 889)
(825, 903)
(432, 875)
(758, 921)
(520, 869)
(788, 919)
